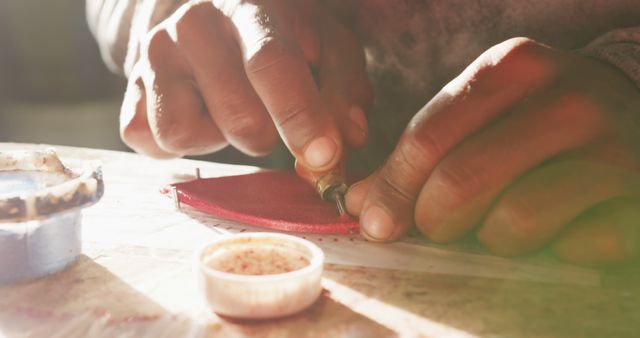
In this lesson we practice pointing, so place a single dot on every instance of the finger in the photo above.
(479, 95)
(134, 126)
(177, 116)
(216, 62)
(357, 193)
(387, 211)
(276, 68)
(537, 207)
(470, 101)
(344, 83)
(467, 181)
(606, 235)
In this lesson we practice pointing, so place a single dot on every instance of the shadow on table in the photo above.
(492, 307)
(325, 318)
(84, 300)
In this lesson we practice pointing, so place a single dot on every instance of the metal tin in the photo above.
(40, 212)
(37, 248)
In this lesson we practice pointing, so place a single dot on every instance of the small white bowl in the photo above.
(259, 275)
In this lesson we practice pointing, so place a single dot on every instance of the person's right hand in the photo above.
(240, 73)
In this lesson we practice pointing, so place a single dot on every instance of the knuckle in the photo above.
(168, 131)
(243, 127)
(456, 182)
(186, 137)
(387, 191)
(576, 101)
(270, 53)
(517, 48)
(189, 17)
(521, 61)
(130, 134)
(394, 189)
(155, 45)
(420, 147)
(576, 108)
(613, 248)
(516, 216)
(133, 122)
(178, 141)
(173, 135)
(521, 56)
(294, 116)
(239, 119)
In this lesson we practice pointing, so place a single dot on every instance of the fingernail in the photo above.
(377, 223)
(320, 152)
(356, 115)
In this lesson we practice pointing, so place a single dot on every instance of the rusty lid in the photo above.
(35, 185)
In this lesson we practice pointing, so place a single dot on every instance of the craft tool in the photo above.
(330, 184)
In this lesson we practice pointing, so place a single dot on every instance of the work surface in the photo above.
(135, 278)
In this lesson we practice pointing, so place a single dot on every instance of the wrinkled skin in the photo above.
(240, 73)
(528, 146)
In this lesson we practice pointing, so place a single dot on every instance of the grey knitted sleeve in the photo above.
(620, 48)
(120, 25)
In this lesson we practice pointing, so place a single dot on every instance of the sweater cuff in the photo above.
(621, 48)
(148, 13)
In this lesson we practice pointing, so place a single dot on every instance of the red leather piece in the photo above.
(278, 200)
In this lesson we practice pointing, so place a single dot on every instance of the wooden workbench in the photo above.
(135, 280)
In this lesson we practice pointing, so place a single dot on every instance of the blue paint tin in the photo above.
(41, 205)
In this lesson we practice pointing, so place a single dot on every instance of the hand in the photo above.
(239, 72)
(528, 146)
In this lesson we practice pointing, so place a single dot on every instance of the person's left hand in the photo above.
(528, 146)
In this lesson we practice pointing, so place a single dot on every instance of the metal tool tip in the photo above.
(339, 198)
(174, 196)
